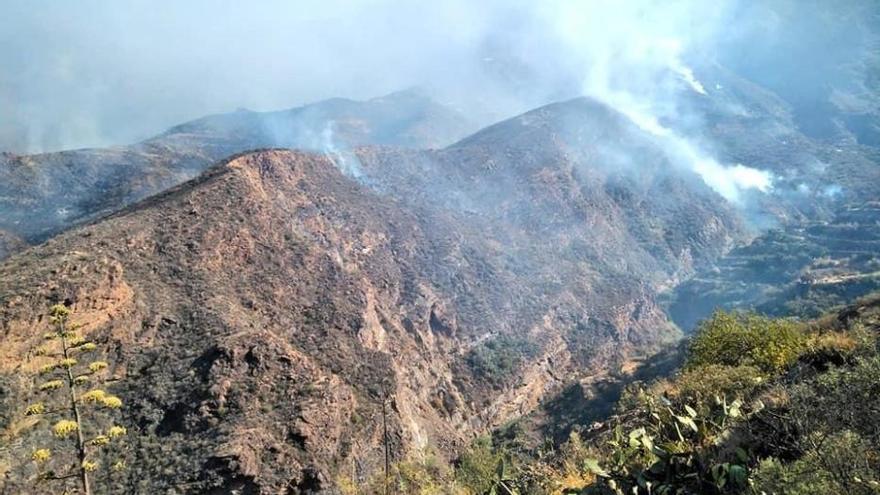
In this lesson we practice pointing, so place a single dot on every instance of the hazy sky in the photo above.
(88, 73)
(96, 73)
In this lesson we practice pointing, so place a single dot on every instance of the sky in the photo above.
(94, 73)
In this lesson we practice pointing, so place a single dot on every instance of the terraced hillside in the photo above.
(804, 269)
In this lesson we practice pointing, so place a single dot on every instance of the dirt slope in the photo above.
(256, 316)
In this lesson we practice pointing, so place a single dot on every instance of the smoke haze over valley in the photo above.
(314, 242)
(69, 84)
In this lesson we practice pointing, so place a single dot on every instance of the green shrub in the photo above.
(498, 359)
(734, 339)
(700, 386)
(844, 398)
(476, 467)
(797, 478)
(846, 463)
(670, 447)
(421, 476)
(425, 477)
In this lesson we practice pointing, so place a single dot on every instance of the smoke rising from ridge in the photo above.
(93, 73)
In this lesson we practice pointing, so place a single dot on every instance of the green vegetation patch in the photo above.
(499, 358)
(761, 405)
(734, 339)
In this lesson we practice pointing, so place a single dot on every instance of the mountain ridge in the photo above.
(252, 314)
(42, 194)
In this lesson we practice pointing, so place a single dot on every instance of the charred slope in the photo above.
(256, 316)
(577, 179)
(813, 177)
(45, 193)
(816, 248)
(404, 118)
(9, 243)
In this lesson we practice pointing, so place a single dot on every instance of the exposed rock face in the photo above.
(257, 316)
(45, 193)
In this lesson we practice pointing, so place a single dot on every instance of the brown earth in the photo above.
(256, 316)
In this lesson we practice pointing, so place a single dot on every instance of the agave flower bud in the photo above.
(41, 455)
(64, 428)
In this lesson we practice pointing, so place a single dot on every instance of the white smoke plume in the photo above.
(344, 159)
(96, 73)
(634, 59)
